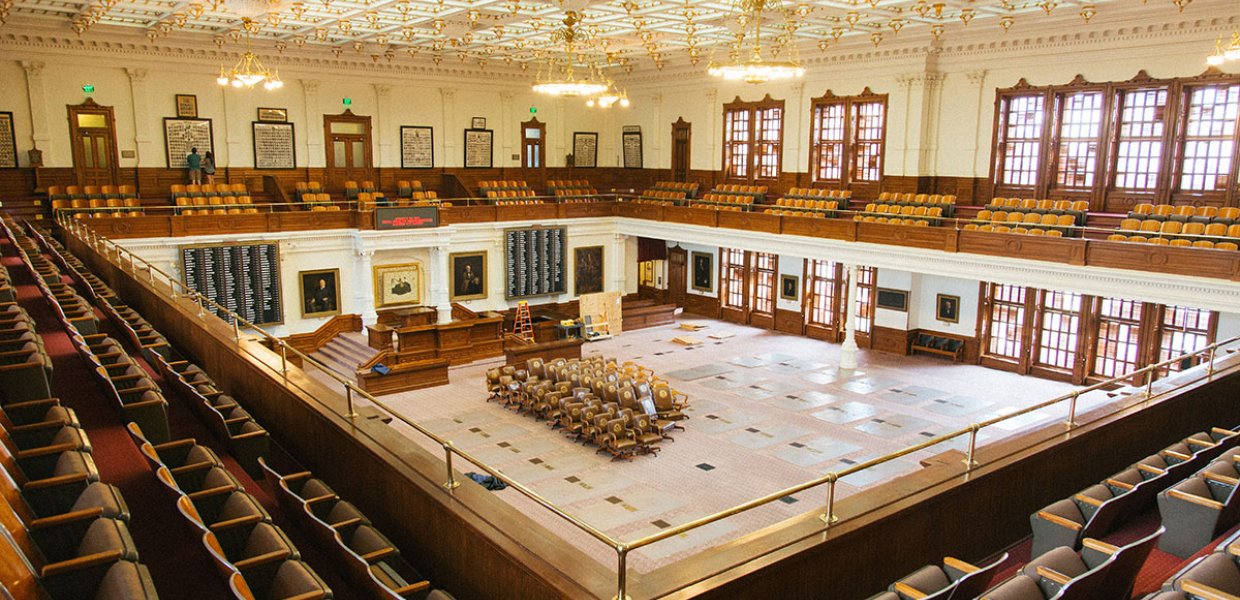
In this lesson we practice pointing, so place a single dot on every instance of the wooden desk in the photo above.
(459, 342)
(379, 335)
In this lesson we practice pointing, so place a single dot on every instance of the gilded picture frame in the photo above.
(469, 275)
(397, 285)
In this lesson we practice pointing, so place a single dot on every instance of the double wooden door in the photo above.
(349, 154)
(682, 132)
(93, 132)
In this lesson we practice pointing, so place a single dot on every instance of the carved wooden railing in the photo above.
(311, 342)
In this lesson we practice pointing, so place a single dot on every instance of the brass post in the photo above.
(969, 463)
(452, 483)
(829, 517)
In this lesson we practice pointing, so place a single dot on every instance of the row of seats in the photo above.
(893, 220)
(796, 212)
(66, 533)
(209, 190)
(990, 228)
(91, 192)
(920, 215)
(1171, 229)
(622, 410)
(913, 198)
(313, 200)
(736, 194)
(7, 292)
(526, 193)
(716, 206)
(352, 189)
(253, 555)
(1185, 213)
(572, 185)
(1215, 576)
(99, 207)
(25, 367)
(1038, 206)
(687, 189)
(1029, 219)
(214, 205)
(1179, 242)
(1096, 510)
(664, 197)
(504, 185)
(303, 188)
(1203, 505)
(797, 193)
(369, 559)
(410, 189)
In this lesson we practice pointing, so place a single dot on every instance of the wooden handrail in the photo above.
(313, 341)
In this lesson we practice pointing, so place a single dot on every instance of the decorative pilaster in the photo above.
(801, 151)
(139, 95)
(981, 167)
(716, 129)
(315, 154)
(364, 288)
(616, 264)
(383, 97)
(654, 139)
(448, 119)
(848, 352)
(438, 278)
(506, 128)
(922, 97)
(37, 96)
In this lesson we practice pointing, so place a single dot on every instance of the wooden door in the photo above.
(533, 144)
(93, 133)
(682, 131)
(677, 274)
(349, 145)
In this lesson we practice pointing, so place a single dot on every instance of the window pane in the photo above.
(766, 153)
(867, 164)
(1184, 330)
(350, 127)
(763, 283)
(1141, 127)
(1061, 319)
(1006, 320)
(828, 142)
(865, 298)
(1079, 130)
(1119, 330)
(1209, 137)
(338, 154)
(359, 155)
(822, 292)
(85, 120)
(732, 261)
(1021, 140)
(88, 152)
(736, 143)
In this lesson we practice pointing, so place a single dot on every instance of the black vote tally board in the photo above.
(243, 278)
(535, 260)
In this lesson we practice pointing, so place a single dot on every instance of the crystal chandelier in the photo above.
(249, 70)
(755, 70)
(609, 98)
(1225, 53)
(562, 81)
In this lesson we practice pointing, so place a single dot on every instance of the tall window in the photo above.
(867, 277)
(1069, 138)
(732, 277)
(1058, 329)
(847, 138)
(1184, 330)
(1209, 137)
(753, 139)
(1006, 330)
(1080, 130)
(1139, 142)
(1119, 329)
(823, 284)
(764, 266)
(1019, 151)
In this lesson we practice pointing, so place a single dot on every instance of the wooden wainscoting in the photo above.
(892, 341)
(311, 342)
(706, 306)
(789, 321)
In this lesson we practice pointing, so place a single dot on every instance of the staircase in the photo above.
(344, 353)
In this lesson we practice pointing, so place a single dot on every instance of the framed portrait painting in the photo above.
(469, 275)
(588, 270)
(397, 285)
(703, 271)
(788, 285)
(320, 292)
(947, 308)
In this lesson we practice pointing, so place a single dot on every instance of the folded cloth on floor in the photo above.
(487, 481)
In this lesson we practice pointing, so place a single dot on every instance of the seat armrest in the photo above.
(1193, 499)
(959, 565)
(1087, 500)
(237, 522)
(1058, 520)
(904, 589)
(1123, 485)
(66, 518)
(1053, 575)
(1223, 479)
(54, 481)
(191, 442)
(262, 559)
(81, 562)
(1202, 590)
(1099, 546)
(412, 588)
(346, 523)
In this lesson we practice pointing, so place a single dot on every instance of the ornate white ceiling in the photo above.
(620, 34)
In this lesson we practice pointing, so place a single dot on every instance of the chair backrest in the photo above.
(1127, 561)
(972, 584)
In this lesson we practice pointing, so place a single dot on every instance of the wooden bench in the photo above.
(933, 342)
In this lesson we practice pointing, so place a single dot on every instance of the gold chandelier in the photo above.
(755, 70)
(249, 70)
(1225, 53)
(562, 80)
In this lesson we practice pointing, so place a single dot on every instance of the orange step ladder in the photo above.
(524, 325)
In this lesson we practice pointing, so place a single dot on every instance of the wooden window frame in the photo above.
(751, 143)
(849, 146)
(1103, 193)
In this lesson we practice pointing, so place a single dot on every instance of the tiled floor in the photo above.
(768, 411)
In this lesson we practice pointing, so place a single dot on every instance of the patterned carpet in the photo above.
(767, 410)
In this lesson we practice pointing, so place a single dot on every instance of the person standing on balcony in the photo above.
(194, 162)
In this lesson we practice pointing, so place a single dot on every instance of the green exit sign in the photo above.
(348, 101)
(88, 88)
(533, 110)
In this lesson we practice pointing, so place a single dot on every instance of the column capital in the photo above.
(507, 96)
(310, 86)
(33, 68)
(136, 75)
(447, 93)
(382, 89)
(976, 77)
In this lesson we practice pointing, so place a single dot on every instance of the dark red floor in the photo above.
(179, 565)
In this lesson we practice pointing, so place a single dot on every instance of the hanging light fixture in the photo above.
(756, 70)
(562, 80)
(249, 70)
(1225, 53)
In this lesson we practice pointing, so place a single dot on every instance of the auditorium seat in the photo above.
(70, 537)
(1207, 576)
(292, 579)
(1197, 509)
(955, 579)
(101, 576)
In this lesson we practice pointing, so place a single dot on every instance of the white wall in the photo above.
(713, 251)
(795, 266)
(923, 304)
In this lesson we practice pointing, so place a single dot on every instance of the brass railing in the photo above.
(140, 268)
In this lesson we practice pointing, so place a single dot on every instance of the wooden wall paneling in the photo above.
(789, 321)
(889, 340)
(706, 306)
(691, 216)
(934, 238)
(836, 229)
(1222, 264)
(1060, 250)
(750, 221)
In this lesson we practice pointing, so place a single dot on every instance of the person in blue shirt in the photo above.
(194, 162)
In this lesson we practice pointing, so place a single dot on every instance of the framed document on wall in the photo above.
(183, 135)
(8, 142)
(417, 147)
(274, 146)
(478, 146)
(631, 145)
(187, 106)
(585, 149)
